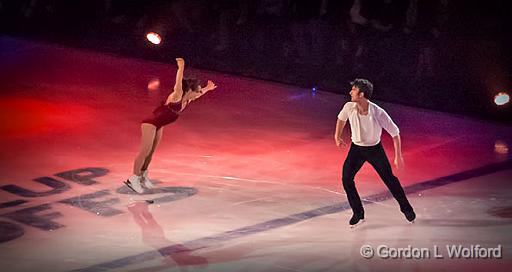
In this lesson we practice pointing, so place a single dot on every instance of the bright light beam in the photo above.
(501, 99)
(154, 38)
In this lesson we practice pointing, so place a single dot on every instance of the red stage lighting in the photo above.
(500, 147)
(154, 84)
(154, 38)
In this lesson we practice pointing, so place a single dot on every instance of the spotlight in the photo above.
(154, 38)
(501, 99)
(154, 84)
(500, 147)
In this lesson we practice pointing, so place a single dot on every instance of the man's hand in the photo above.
(399, 162)
(339, 141)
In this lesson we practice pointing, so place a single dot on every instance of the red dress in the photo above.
(164, 114)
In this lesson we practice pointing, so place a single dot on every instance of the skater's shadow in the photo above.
(462, 222)
(370, 226)
(153, 235)
(449, 222)
(503, 212)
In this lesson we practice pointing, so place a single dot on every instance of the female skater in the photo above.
(185, 91)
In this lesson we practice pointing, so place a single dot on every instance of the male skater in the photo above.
(366, 122)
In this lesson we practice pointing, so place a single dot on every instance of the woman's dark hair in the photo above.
(189, 84)
(364, 85)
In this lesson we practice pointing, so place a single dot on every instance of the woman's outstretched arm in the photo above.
(209, 87)
(177, 93)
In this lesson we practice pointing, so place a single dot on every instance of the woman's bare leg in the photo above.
(145, 178)
(156, 141)
(146, 145)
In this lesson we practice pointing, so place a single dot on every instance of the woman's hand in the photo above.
(180, 62)
(210, 86)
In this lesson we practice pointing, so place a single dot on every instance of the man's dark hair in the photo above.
(364, 86)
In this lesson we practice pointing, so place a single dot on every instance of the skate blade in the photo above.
(150, 187)
(129, 185)
(147, 201)
(358, 224)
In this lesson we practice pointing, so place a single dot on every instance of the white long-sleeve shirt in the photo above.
(367, 129)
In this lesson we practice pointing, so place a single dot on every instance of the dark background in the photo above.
(448, 55)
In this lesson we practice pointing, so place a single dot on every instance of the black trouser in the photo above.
(376, 156)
